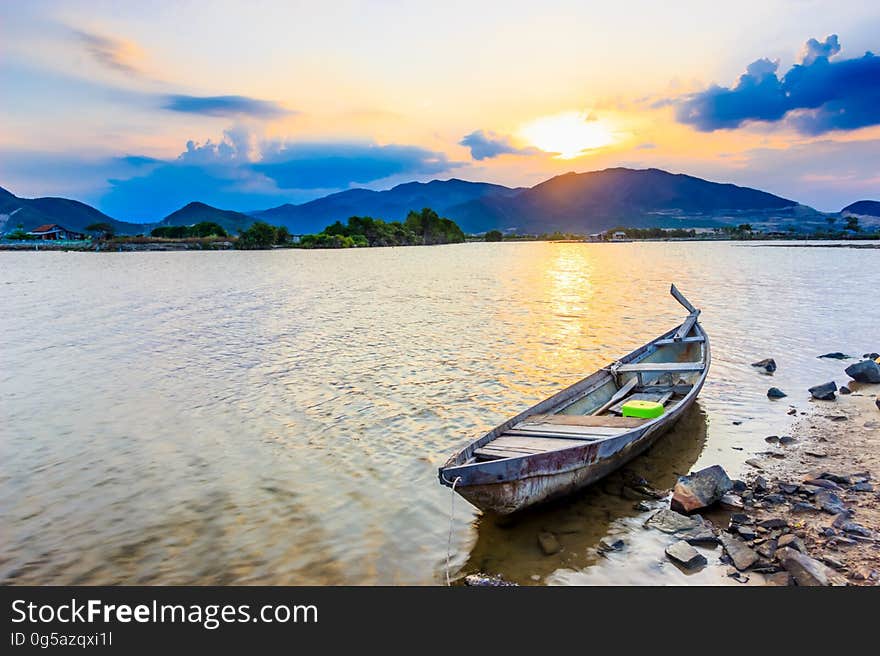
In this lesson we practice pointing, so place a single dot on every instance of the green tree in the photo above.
(206, 229)
(494, 235)
(282, 235)
(101, 229)
(852, 223)
(259, 235)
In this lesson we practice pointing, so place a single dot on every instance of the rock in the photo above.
(738, 486)
(791, 411)
(866, 371)
(808, 571)
(776, 393)
(480, 580)
(840, 479)
(844, 390)
(740, 518)
(846, 525)
(693, 529)
(609, 543)
(684, 554)
(767, 548)
(788, 488)
(877, 401)
(772, 439)
(740, 555)
(773, 522)
(642, 506)
(700, 489)
(830, 503)
(778, 578)
(752, 462)
(731, 501)
(786, 439)
(760, 484)
(803, 506)
(862, 487)
(822, 482)
(548, 542)
(791, 541)
(834, 563)
(746, 532)
(836, 355)
(824, 392)
(871, 356)
(774, 499)
(767, 364)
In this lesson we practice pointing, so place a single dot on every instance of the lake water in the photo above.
(279, 417)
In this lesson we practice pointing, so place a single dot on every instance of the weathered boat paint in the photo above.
(511, 484)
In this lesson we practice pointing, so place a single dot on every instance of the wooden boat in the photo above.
(579, 435)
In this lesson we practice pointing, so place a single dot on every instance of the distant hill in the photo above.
(195, 212)
(590, 202)
(574, 202)
(390, 205)
(73, 215)
(863, 208)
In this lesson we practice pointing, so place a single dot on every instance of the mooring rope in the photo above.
(451, 525)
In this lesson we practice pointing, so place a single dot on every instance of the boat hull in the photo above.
(512, 496)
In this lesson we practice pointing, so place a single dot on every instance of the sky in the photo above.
(139, 108)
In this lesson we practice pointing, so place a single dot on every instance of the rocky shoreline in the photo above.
(809, 512)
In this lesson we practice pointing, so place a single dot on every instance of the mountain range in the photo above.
(573, 202)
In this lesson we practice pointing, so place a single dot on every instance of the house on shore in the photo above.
(54, 231)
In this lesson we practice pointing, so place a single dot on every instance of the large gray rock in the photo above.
(694, 530)
(775, 393)
(866, 371)
(806, 570)
(700, 489)
(685, 555)
(740, 554)
(824, 392)
(830, 503)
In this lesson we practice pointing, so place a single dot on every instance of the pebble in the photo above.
(684, 554)
(548, 542)
(775, 393)
(609, 543)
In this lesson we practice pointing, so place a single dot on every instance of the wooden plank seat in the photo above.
(672, 367)
(513, 446)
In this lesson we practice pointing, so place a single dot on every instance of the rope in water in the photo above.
(451, 526)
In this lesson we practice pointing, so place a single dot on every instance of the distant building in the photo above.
(53, 231)
(618, 236)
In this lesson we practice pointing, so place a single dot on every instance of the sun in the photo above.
(568, 135)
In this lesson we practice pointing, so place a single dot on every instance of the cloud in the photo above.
(234, 106)
(486, 145)
(241, 172)
(334, 164)
(113, 53)
(813, 97)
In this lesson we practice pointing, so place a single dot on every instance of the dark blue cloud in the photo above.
(240, 173)
(322, 165)
(486, 145)
(234, 106)
(816, 96)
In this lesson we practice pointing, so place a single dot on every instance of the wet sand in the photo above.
(841, 438)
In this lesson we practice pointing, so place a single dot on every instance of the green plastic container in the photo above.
(642, 409)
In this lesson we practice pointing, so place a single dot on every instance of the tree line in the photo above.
(425, 227)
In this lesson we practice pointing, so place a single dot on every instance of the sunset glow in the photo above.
(568, 135)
